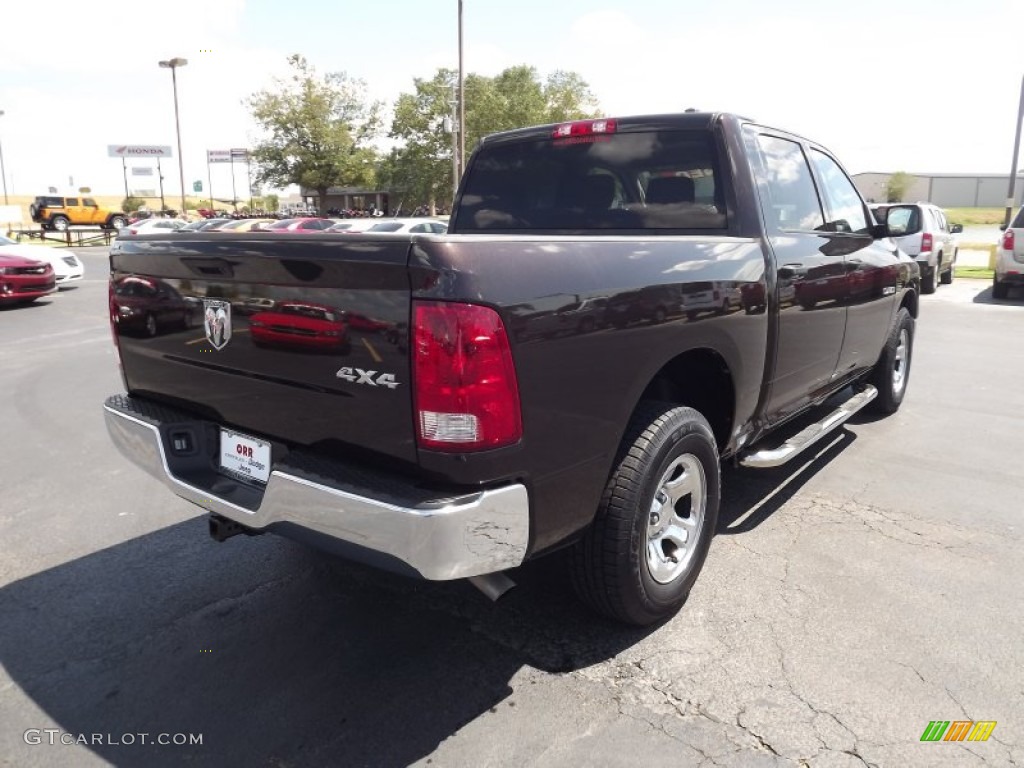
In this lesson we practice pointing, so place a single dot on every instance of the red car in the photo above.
(24, 280)
(300, 325)
(299, 225)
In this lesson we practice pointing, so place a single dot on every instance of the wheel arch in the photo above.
(909, 302)
(701, 379)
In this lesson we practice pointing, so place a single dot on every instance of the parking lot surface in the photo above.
(846, 603)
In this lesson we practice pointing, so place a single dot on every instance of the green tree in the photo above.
(318, 131)
(271, 202)
(419, 171)
(897, 185)
(132, 204)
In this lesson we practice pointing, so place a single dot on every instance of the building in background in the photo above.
(946, 190)
(347, 199)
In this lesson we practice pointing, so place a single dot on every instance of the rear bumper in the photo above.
(440, 536)
(1008, 268)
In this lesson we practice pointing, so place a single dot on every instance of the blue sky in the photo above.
(887, 85)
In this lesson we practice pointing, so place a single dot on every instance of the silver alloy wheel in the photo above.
(899, 363)
(60, 224)
(672, 537)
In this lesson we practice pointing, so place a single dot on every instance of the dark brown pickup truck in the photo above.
(618, 306)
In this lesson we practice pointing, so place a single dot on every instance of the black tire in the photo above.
(117, 223)
(60, 223)
(891, 388)
(611, 565)
(33, 211)
(1000, 290)
(930, 280)
(947, 276)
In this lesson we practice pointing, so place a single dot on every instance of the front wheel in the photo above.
(892, 371)
(60, 223)
(650, 537)
(117, 223)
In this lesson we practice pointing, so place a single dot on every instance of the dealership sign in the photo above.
(138, 150)
(218, 155)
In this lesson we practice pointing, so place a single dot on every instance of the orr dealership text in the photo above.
(53, 736)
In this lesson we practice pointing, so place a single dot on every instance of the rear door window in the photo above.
(793, 202)
(650, 180)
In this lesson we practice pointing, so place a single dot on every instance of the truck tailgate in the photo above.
(300, 338)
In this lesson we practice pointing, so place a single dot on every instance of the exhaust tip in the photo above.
(493, 585)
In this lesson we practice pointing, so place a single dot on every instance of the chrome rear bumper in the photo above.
(449, 537)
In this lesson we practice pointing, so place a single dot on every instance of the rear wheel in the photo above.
(1000, 290)
(117, 223)
(60, 223)
(947, 276)
(930, 281)
(892, 371)
(648, 542)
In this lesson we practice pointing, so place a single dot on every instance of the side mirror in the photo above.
(956, 229)
(1002, 227)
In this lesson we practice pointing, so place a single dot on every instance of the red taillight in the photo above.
(465, 390)
(926, 242)
(584, 128)
(1008, 240)
(133, 231)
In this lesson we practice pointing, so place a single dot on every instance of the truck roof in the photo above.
(684, 120)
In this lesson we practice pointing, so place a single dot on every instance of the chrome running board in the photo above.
(805, 438)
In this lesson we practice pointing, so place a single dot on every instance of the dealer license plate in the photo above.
(244, 456)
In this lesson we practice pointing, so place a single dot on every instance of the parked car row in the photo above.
(29, 272)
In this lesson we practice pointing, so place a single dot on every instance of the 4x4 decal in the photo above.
(359, 376)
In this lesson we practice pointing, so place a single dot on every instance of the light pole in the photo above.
(1011, 196)
(173, 65)
(3, 171)
(461, 166)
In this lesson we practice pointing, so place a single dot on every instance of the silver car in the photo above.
(1009, 258)
(922, 231)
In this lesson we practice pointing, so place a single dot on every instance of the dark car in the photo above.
(566, 368)
(148, 306)
(24, 280)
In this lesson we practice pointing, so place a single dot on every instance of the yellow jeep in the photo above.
(58, 213)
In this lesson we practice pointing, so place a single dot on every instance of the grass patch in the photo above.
(979, 273)
(976, 217)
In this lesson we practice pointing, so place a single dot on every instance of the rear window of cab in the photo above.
(635, 180)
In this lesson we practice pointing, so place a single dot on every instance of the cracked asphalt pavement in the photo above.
(846, 602)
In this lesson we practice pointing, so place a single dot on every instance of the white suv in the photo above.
(1010, 258)
(923, 233)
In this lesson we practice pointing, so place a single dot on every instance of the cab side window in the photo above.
(793, 203)
(71, 202)
(845, 208)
